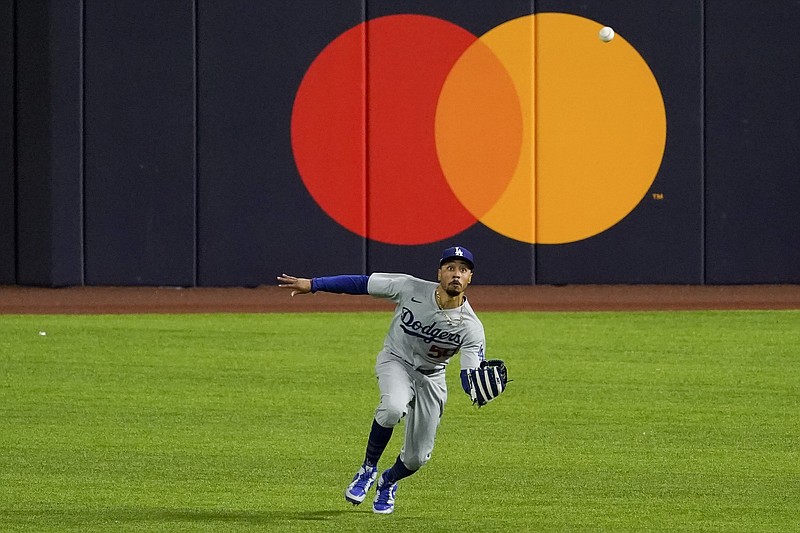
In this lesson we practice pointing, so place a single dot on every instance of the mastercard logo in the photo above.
(408, 129)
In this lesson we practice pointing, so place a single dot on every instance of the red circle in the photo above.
(363, 129)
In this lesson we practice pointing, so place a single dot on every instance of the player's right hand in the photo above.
(296, 285)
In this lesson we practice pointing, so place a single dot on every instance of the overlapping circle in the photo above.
(407, 129)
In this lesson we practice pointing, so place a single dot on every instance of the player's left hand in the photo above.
(487, 382)
(295, 284)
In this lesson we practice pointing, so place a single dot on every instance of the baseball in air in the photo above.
(606, 34)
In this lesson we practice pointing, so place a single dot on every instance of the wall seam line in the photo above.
(82, 129)
(196, 166)
(15, 133)
(366, 247)
(535, 185)
(703, 185)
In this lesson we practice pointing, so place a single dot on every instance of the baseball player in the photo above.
(431, 323)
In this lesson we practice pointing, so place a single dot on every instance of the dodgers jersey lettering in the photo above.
(419, 332)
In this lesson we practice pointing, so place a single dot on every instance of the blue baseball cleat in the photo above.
(384, 499)
(363, 480)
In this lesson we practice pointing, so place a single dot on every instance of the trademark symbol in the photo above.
(658, 196)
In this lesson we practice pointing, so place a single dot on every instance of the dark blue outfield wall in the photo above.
(149, 143)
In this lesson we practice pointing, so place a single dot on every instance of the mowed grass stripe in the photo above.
(664, 421)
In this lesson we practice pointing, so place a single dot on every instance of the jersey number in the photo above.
(437, 352)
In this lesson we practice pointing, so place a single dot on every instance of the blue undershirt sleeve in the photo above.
(465, 381)
(340, 284)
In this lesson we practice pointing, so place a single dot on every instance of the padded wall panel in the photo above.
(752, 142)
(8, 252)
(256, 218)
(140, 143)
(49, 143)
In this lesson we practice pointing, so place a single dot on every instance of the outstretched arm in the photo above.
(339, 284)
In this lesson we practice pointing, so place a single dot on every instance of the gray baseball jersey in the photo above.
(420, 333)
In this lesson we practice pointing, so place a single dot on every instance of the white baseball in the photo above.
(606, 34)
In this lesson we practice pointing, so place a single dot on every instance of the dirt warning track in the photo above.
(267, 299)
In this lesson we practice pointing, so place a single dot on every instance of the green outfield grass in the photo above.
(667, 421)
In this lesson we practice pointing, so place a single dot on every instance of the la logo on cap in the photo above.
(458, 251)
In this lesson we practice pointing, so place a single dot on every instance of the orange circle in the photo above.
(593, 130)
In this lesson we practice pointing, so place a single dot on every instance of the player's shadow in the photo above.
(131, 515)
(221, 515)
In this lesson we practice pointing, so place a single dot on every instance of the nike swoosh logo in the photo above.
(415, 300)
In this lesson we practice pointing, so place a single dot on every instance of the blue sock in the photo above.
(398, 471)
(378, 439)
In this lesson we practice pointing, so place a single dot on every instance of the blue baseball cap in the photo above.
(458, 252)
